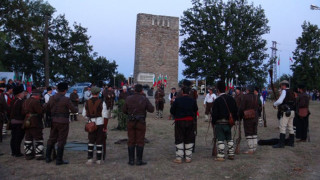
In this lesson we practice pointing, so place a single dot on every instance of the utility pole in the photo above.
(274, 60)
(46, 52)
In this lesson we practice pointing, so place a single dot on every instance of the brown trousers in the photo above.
(33, 134)
(208, 108)
(98, 136)
(159, 105)
(250, 127)
(58, 133)
(136, 133)
(184, 132)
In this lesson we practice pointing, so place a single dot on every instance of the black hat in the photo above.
(9, 86)
(2, 85)
(49, 88)
(62, 86)
(238, 88)
(256, 88)
(18, 90)
(187, 83)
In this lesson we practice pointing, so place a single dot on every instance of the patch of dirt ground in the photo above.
(300, 162)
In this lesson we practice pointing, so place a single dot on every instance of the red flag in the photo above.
(279, 61)
(291, 59)
(122, 83)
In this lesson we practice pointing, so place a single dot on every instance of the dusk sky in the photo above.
(112, 24)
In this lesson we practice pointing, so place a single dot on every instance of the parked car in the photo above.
(80, 91)
(86, 84)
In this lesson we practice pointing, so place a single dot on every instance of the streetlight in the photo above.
(114, 81)
(314, 7)
(237, 79)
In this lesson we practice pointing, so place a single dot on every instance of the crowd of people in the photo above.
(22, 112)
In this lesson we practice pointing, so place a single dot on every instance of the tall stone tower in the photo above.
(157, 49)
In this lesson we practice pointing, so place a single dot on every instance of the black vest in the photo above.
(289, 99)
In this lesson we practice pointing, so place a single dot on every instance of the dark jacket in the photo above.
(16, 110)
(74, 97)
(60, 106)
(249, 101)
(137, 104)
(159, 95)
(33, 107)
(184, 106)
(109, 98)
(220, 110)
(123, 95)
(303, 100)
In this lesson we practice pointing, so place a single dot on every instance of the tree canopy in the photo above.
(306, 66)
(22, 44)
(222, 39)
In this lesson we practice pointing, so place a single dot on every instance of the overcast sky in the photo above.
(112, 24)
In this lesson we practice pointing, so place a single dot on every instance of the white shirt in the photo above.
(172, 96)
(209, 98)
(281, 98)
(87, 95)
(98, 120)
(47, 97)
(262, 101)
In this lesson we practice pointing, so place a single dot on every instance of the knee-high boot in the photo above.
(131, 153)
(59, 160)
(139, 156)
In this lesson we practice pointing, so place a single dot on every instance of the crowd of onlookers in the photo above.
(314, 95)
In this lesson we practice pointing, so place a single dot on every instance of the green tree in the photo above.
(224, 39)
(102, 69)
(22, 44)
(119, 78)
(22, 23)
(306, 68)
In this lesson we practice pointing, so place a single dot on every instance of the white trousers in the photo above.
(287, 122)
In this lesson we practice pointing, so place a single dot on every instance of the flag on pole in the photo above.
(279, 61)
(159, 79)
(23, 78)
(226, 83)
(165, 81)
(291, 59)
(232, 87)
(122, 83)
(154, 81)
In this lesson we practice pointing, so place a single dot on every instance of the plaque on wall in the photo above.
(145, 77)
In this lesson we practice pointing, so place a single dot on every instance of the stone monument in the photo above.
(157, 49)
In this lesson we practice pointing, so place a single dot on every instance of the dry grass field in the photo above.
(300, 162)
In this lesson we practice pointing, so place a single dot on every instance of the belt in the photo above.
(15, 121)
(65, 115)
(188, 118)
(222, 121)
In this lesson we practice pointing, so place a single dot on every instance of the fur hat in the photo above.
(187, 83)
(2, 85)
(284, 82)
(95, 90)
(49, 89)
(62, 86)
(18, 90)
(124, 87)
(9, 86)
